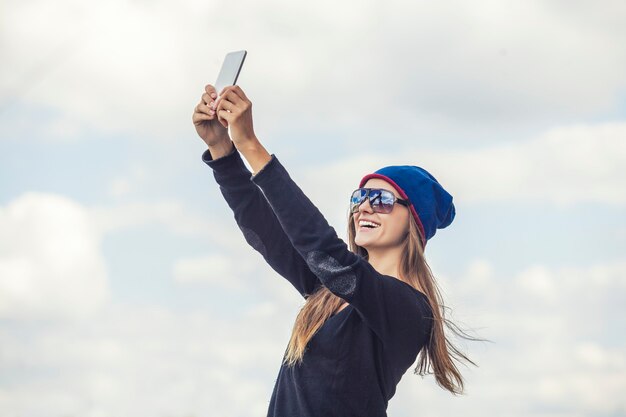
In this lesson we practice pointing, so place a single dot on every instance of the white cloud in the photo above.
(507, 62)
(563, 166)
(580, 163)
(543, 360)
(412, 62)
(171, 214)
(550, 356)
(119, 187)
(214, 269)
(126, 184)
(217, 227)
(172, 363)
(538, 282)
(386, 73)
(50, 259)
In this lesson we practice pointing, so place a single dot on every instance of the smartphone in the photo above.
(230, 69)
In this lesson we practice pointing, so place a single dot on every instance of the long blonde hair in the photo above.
(439, 351)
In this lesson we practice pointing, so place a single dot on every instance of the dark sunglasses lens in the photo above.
(357, 198)
(382, 201)
(375, 201)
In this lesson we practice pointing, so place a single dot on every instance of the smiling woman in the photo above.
(346, 364)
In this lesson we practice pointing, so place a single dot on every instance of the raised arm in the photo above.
(258, 222)
(252, 212)
(396, 312)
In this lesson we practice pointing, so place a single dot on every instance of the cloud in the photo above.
(129, 183)
(452, 87)
(215, 269)
(172, 214)
(50, 259)
(217, 227)
(562, 166)
(499, 62)
(173, 363)
(566, 165)
(550, 356)
(555, 349)
(417, 63)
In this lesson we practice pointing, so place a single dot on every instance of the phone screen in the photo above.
(230, 70)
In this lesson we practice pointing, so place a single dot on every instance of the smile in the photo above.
(365, 224)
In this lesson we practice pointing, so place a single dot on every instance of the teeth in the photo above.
(366, 223)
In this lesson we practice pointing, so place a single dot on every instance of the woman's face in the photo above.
(392, 227)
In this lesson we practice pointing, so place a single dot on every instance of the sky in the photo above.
(126, 288)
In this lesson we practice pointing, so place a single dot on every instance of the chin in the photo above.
(364, 243)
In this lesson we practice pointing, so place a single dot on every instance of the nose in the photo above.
(365, 206)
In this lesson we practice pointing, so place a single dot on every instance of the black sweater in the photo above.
(353, 363)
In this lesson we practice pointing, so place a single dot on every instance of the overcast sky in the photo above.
(126, 288)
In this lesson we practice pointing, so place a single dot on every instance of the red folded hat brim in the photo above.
(403, 195)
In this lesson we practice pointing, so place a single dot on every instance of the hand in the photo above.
(234, 110)
(204, 119)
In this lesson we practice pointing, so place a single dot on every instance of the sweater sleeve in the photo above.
(258, 222)
(395, 311)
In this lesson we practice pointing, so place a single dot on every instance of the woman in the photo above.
(370, 309)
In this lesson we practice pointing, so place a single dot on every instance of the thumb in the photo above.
(223, 121)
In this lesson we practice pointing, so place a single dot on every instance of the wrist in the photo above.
(220, 149)
(251, 145)
(254, 152)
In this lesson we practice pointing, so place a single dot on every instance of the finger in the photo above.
(223, 122)
(240, 93)
(227, 96)
(224, 117)
(203, 108)
(206, 98)
(225, 104)
(232, 103)
(232, 96)
(210, 90)
(201, 117)
(231, 91)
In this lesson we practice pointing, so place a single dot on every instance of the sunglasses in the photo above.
(381, 201)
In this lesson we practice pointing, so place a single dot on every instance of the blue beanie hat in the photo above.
(431, 205)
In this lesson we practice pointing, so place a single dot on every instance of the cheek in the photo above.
(398, 232)
(400, 227)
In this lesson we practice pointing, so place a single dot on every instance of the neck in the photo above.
(386, 260)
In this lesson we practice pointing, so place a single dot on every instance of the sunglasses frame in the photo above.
(355, 207)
